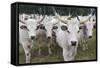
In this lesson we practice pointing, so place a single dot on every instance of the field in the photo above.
(89, 54)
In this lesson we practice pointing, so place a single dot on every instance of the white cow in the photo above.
(87, 30)
(68, 36)
(27, 34)
(48, 23)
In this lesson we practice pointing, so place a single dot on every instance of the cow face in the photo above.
(30, 23)
(69, 32)
(73, 33)
(88, 26)
(31, 26)
(89, 29)
(49, 26)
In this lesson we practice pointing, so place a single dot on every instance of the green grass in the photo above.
(89, 54)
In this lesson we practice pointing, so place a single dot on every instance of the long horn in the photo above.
(21, 21)
(92, 10)
(43, 16)
(58, 16)
(70, 15)
(82, 22)
(41, 20)
(20, 16)
(78, 18)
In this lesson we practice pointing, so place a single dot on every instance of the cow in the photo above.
(86, 31)
(47, 25)
(67, 33)
(68, 36)
(27, 34)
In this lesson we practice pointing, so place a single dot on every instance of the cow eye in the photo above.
(68, 31)
(30, 17)
(37, 28)
(93, 19)
(55, 27)
(23, 27)
(64, 27)
(80, 27)
(25, 18)
(78, 31)
(86, 29)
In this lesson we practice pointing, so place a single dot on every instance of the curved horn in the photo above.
(61, 19)
(78, 18)
(41, 20)
(43, 16)
(82, 22)
(70, 16)
(58, 16)
(20, 17)
(21, 21)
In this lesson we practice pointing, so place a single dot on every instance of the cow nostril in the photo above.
(32, 37)
(73, 43)
(90, 36)
(49, 37)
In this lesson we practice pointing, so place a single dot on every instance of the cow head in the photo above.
(48, 23)
(32, 25)
(73, 32)
(70, 29)
(88, 26)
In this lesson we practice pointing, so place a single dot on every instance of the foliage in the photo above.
(62, 10)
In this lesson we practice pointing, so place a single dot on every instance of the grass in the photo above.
(89, 54)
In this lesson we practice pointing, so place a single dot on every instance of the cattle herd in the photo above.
(69, 32)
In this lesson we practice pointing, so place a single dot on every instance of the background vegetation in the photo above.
(62, 10)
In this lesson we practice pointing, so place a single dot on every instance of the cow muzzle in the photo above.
(32, 37)
(73, 43)
(90, 37)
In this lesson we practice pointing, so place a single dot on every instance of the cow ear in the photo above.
(63, 27)
(25, 18)
(24, 27)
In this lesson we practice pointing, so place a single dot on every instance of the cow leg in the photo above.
(69, 54)
(49, 47)
(74, 51)
(39, 51)
(82, 43)
(27, 50)
(85, 45)
(66, 55)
